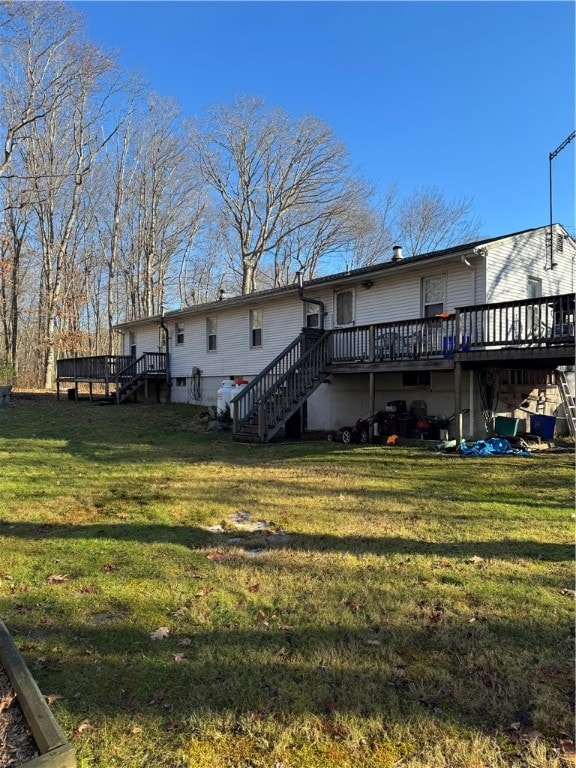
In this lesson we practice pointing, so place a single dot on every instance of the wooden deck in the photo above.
(109, 370)
(527, 333)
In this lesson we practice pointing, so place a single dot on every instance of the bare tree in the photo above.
(57, 157)
(32, 85)
(272, 178)
(426, 220)
(14, 255)
(162, 208)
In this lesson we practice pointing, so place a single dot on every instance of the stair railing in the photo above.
(149, 362)
(290, 370)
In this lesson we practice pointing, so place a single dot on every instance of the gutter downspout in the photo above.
(167, 340)
(300, 278)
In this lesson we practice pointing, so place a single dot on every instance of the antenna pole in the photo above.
(551, 157)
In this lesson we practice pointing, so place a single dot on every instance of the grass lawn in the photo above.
(402, 608)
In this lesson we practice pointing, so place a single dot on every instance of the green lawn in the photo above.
(401, 608)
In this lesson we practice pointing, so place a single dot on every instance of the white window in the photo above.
(256, 327)
(534, 287)
(344, 308)
(312, 312)
(133, 343)
(211, 334)
(433, 295)
(179, 330)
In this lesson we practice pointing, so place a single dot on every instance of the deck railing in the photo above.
(545, 320)
(542, 321)
(150, 363)
(98, 368)
(403, 340)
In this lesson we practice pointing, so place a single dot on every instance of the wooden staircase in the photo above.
(567, 400)
(149, 366)
(264, 406)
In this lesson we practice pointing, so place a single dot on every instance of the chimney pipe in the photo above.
(397, 253)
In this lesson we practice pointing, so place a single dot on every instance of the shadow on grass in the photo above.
(195, 537)
(473, 675)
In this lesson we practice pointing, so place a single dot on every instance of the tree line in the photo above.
(114, 205)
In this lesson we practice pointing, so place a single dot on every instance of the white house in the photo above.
(415, 328)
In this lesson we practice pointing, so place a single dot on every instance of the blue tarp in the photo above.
(495, 446)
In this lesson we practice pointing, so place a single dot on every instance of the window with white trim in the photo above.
(433, 295)
(345, 308)
(534, 287)
(312, 312)
(256, 321)
(211, 334)
(179, 332)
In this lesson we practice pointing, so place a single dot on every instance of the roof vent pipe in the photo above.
(397, 253)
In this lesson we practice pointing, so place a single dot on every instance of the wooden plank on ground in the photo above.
(45, 730)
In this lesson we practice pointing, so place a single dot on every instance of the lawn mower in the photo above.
(360, 432)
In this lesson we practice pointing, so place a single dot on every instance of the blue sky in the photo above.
(469, 97)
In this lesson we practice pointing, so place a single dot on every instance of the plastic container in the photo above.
(542, 426)
(504, 425)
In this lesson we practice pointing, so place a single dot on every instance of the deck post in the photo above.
(458, 400)
(372, 401)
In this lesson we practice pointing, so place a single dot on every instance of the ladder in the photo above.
(567, 400)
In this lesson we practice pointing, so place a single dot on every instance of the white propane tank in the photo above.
(239, 385)
(224, 395)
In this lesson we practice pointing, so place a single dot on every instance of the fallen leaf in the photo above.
(280, 654)
(57, 578)
(84, 726)
(253, 587)
(373, 642)
(136, 729)
(6, 700)
(181, 611)
(474, 559)
(109, 567)
(569, 592)
(87, 589)
(185, 642)
(216, 557)
(160, 634)
(52, 697)
(261, 616)
(179, 658)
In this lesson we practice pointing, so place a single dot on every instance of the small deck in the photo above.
(110, 371)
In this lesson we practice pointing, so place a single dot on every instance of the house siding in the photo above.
(497, 271)
(510, 262)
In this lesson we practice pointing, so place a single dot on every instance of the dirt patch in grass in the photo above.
(17, 745)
